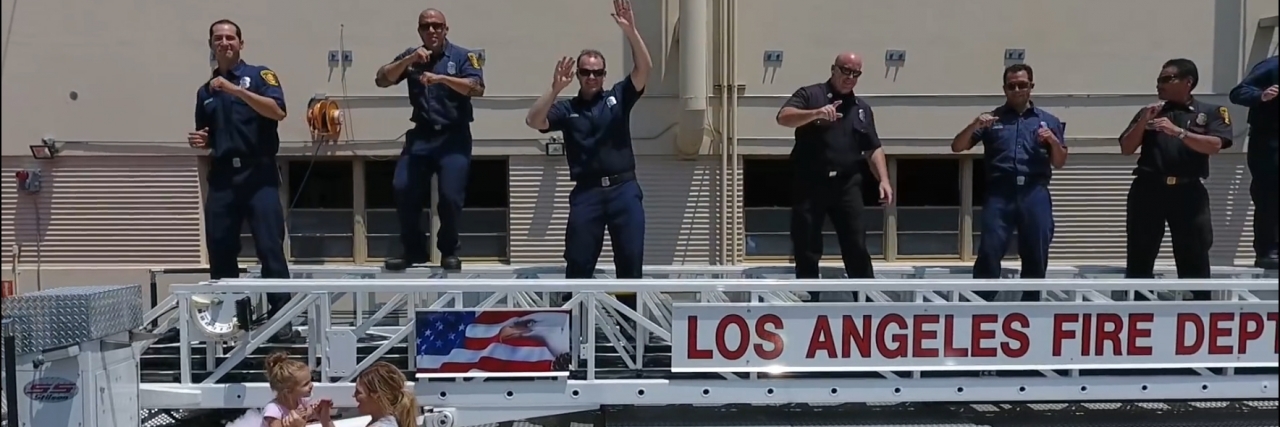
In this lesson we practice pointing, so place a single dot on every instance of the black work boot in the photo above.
(400, 264)
(451, 263)
(1269, 262)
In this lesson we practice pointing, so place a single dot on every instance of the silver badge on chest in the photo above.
(452, 67)
(244, 82)
(862, 115)
(1201, 119)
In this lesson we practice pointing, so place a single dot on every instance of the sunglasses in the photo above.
(1017, 86)
(584, 72)
(433, 26)
(848, 72)
(1166, 79)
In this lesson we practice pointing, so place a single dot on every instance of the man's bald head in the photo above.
(432, 14)
(432, 28)
(845, 71)
(849, 60)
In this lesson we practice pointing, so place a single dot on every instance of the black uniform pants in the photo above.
(814, 198)
(1265, 171)
(1184, 205)
(246, 192)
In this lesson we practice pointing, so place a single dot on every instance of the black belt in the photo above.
(241, 161)
(1168, 180)
(608, 181)
(428, 127)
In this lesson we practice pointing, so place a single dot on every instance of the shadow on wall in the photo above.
(1231, 208)
(32, 213)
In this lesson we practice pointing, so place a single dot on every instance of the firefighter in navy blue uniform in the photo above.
(836, 138)
(1258, 91)
(597, 133)
(443, 77)
(1022, 145)
(237, 113)
(1176, 136)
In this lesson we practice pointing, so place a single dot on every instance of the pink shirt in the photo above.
(275, 410)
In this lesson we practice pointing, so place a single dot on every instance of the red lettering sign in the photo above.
(950, 337)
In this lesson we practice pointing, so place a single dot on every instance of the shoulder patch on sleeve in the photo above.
(476, 60)
(1226, 116)
(270, 77)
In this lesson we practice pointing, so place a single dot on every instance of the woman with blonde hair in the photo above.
(380, 394)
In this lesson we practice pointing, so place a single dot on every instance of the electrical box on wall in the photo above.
(28, 180)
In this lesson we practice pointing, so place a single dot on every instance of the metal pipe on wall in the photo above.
(732, 131)
(693, 77)
(726, 238)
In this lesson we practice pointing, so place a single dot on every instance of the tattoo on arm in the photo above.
(476, 87)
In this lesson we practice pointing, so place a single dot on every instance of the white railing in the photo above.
(608, 332)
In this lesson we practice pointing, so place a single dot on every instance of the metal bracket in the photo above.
(340, 58)
(893, 56)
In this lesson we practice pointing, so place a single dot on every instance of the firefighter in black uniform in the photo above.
(237, 117)
(1259, 91)
(835, 135)
(1176, 136)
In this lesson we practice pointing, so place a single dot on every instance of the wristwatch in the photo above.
(1182, 134)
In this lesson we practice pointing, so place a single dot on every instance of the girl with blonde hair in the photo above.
(380, 394)
(291, 381)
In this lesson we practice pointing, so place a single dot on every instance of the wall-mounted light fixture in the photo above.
(45, 150)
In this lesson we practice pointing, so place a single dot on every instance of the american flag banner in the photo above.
(492, 341)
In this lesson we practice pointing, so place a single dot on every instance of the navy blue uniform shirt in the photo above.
(1262, 115)
(1167, 156)
(823, 146)
(437, 106)
(597, 131)
(1011, 147)
(235, 129)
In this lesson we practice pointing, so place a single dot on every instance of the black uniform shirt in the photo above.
(823, 146)
(597, 131)
(437, 105)
(235, 129)
(1167, 156)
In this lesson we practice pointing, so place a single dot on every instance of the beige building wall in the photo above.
(114, 83)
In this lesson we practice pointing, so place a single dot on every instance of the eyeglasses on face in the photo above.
(586, 72)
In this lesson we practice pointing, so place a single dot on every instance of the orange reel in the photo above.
(325, 120)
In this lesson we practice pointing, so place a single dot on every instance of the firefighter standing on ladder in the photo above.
(1022, 144)
(443, 77)
(1176, 136)
(237, 115)
(597, 133)
(1258, 91)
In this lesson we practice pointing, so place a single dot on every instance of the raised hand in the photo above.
(1151, 111)
(622, 14)
(564, 73)
(984, 120)
(421, 55)
(829, 112)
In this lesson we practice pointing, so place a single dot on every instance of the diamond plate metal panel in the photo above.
(65, 316)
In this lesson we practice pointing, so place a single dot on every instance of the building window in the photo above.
(928, 192)
(766, 187)
(979, 200)
(382, 226)
(482, 228)
(321, 221)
